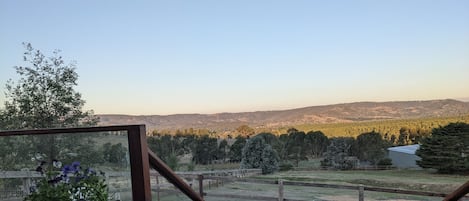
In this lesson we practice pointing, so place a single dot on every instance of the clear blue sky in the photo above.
(167, 57)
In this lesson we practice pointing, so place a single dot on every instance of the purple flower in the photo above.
(76, 164)
(67, 169)
(90, 171)
(73, 168)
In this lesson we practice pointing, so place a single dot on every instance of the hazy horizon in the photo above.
(207, 57)
(279, 109)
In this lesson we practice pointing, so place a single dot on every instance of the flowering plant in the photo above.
(69, 183)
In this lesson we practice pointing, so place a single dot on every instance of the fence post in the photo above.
(361, 192)
(157, 188)
(280, 190)
(201, 185)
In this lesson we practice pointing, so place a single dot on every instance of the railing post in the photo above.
(361, 192)
(157, 188)
(201, 185)
(280, 190)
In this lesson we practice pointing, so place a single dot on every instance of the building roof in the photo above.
(409, 149)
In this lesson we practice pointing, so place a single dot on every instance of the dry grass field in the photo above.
(419, 180)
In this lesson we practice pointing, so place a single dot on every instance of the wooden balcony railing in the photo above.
(140, 157)
(458, 193)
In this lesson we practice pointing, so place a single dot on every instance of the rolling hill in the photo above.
(337, 113)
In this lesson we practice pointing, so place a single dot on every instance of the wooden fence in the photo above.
(281, 194)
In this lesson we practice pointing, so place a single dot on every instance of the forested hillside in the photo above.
(349, 119)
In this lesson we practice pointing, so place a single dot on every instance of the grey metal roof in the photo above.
(408, 149)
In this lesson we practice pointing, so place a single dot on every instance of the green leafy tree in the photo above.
(44, 97)
(447, 149)
(166, 146)
(295, 146)
(223, 150)
(282, 148)
(258, 154)
(115, 154)
(236, 149)
(273, 141)
(371, 147)
(316, 143)
(339, 154)
(173, 162)
(205, 150)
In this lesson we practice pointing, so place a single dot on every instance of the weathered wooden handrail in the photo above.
(171, 176)
(458, 193)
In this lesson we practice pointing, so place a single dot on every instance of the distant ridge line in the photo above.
(335, 113)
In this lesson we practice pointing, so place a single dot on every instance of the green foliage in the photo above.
(447, 149)
(14, 153)
(295, 146)
(115, 154)
(44, 96)
(371, 147)
(205, 150)
(416, 127)
(385, 162)
(223, 149)
(191, 166)
(285, 166)
(316, 143)
(236, 149)
(339, 154)
(173, 162)
(70, 184)
(166, 145)
(258, 154)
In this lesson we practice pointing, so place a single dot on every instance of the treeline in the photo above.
(422, 126)
(389, 128)
(290, 147)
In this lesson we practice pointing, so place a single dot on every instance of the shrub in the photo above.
(285, 166)
(258, 154)
(385, 162)
(70, 183)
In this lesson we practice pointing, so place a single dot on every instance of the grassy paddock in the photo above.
(419, 180)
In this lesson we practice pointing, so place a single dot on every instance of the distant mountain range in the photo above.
(337, 113)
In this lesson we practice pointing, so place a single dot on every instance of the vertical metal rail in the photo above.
(458, 193)
(171, 176)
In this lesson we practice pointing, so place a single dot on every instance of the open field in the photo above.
(304, 193)
(419, 180)
(416, 180)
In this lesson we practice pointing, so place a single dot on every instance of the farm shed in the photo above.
(404, 156)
